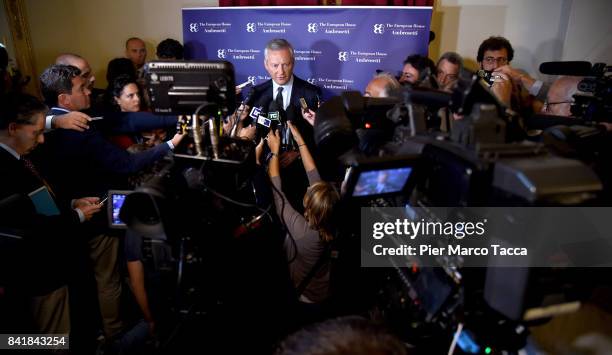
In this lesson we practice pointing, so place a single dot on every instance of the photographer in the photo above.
(309, 235)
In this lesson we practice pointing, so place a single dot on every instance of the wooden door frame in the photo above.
(16, 15)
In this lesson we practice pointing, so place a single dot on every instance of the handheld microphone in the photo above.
(274, 112)
(255, 112)
(214, 139)
(573, 68)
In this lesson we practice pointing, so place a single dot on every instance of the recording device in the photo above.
(266, 122)
(483, 162)
(572, 68)
(487, 75)
(303, 104)
(255, 112)
(180, 87)
(117, 198)
(593, 102)
(373, 178)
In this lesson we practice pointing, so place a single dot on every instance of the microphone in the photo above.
(575, 68)
(291, 115)
(275, 114)
(256, 112)
(214, 139)
(274, 111)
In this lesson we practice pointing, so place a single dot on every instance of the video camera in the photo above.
(483, 161)
(593, 102)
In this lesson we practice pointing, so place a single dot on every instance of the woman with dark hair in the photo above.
(124, 96)
(307, 244)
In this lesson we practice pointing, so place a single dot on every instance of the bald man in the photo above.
(79, 62)
(559, 98)
(382, 85)
(136, 51)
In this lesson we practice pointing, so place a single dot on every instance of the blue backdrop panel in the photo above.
(336, 48)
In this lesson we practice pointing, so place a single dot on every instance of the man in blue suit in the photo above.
(85, 163)
(279, 62)
(113, 122)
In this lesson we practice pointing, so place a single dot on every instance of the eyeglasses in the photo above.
(548, 104)
(499, 60)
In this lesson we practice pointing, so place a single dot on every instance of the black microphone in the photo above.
(576, 68)
(274, 111)
(291, 115)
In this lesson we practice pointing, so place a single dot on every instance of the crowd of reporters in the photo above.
(68, 275)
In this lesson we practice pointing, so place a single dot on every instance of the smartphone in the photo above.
(303, 104)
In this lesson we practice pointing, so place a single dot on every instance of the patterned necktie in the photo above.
(279, 98)
(28, 164)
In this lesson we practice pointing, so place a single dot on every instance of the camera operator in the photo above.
(382, 85)
(308, 242)
(559, 98)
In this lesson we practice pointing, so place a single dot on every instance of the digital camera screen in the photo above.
(117, 201)
(375, 182)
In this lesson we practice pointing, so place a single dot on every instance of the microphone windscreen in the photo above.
(576, 68)
(273, 106)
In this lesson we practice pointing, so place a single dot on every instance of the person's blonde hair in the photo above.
(319, 202)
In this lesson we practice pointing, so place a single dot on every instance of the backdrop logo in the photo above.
(193, 27)
(311, 80)
(251, 79)
(221, 53)
(312, 27)
(379, 28)
(250, 27)
(342, 56)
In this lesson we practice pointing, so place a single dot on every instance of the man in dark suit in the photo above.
(279, 62)
(39, 265)
(113, 123)
(84, 162)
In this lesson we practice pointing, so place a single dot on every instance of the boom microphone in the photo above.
(575, 68)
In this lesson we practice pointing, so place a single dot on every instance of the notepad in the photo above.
(43, 202)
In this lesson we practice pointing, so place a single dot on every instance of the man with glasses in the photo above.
(448, 67)
(560, 96)
(493, 53)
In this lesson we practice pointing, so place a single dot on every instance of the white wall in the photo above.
(589, 32)
(536, 28)
(539, 30)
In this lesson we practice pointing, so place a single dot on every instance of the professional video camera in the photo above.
(200, 203)
(483, 161)
(593, 102)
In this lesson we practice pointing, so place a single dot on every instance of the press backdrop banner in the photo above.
(336, 48)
